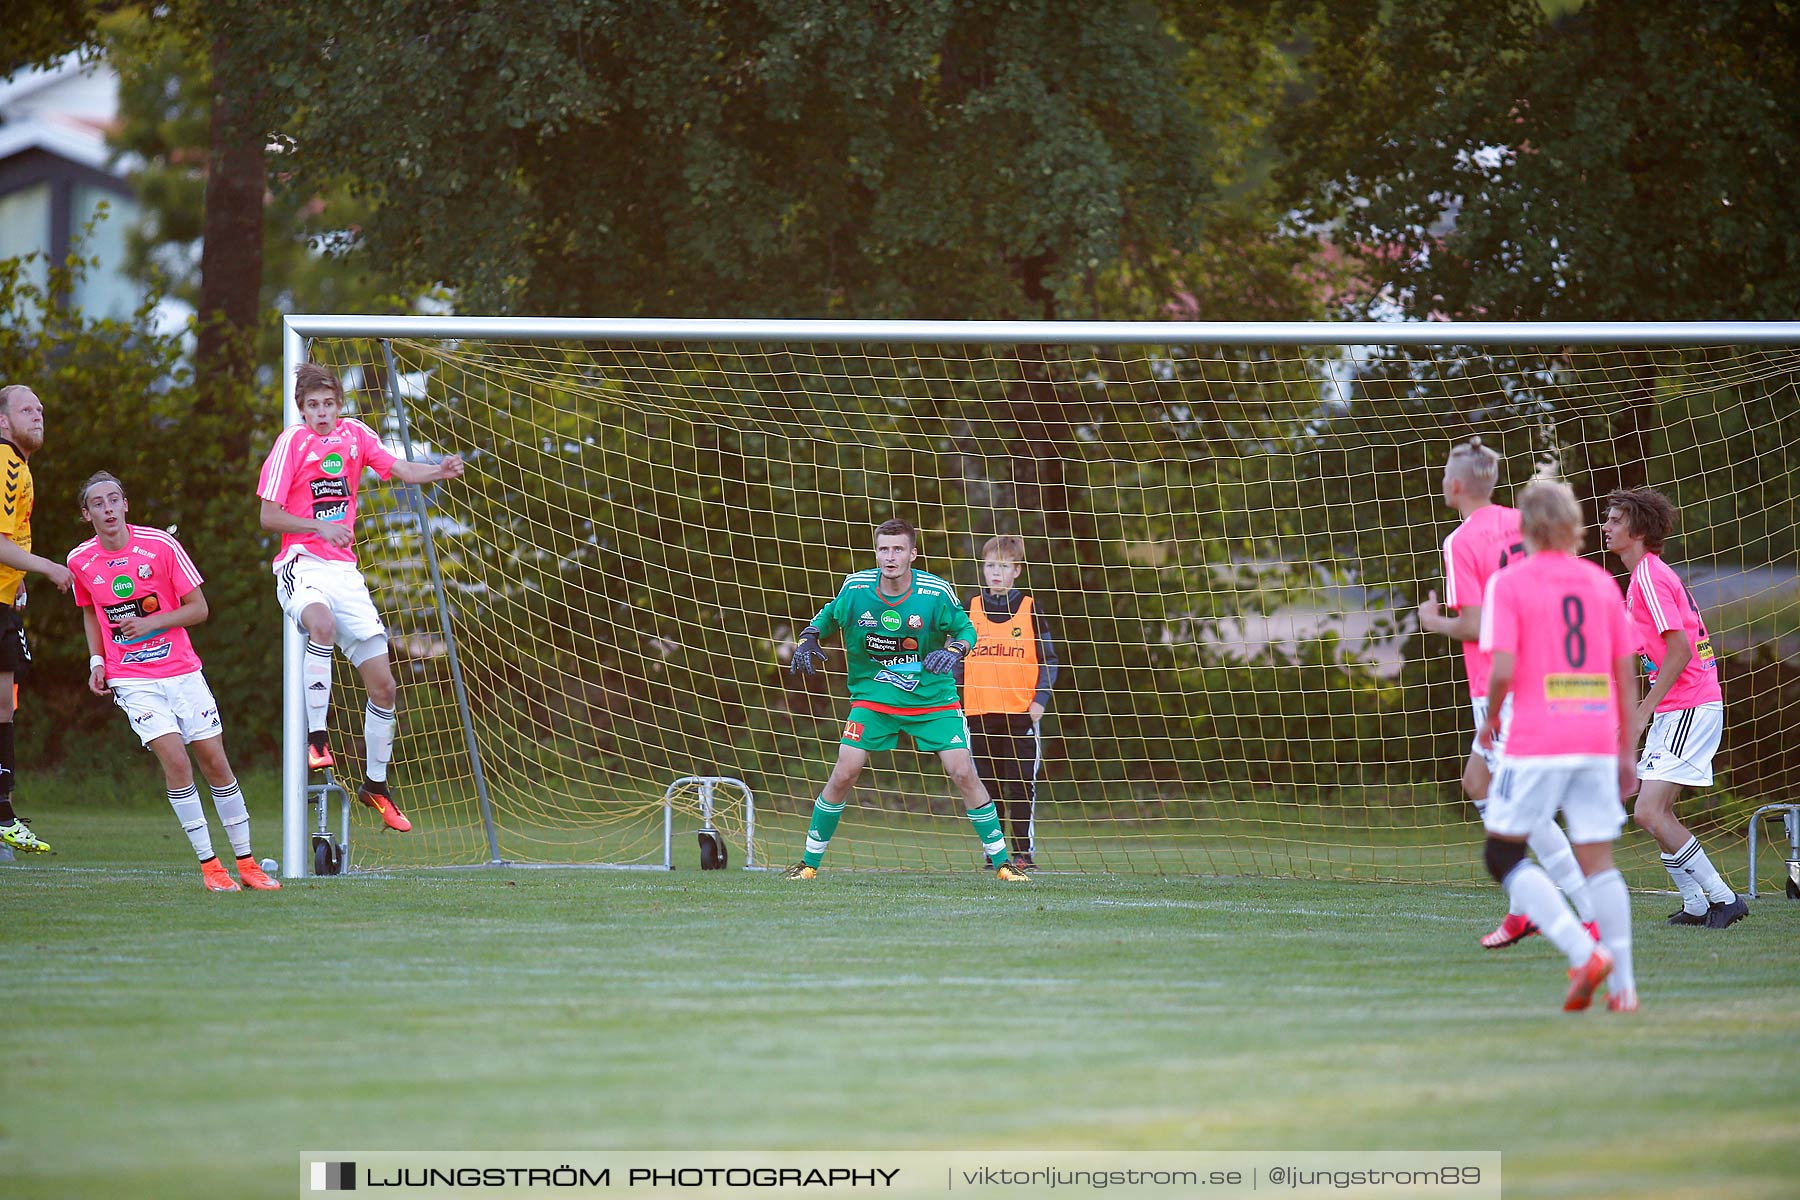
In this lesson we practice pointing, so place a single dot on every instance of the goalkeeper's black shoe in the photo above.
(1682, 916)
(1008, 872)
(800, 871)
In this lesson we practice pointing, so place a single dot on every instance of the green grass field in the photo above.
(163, 1041)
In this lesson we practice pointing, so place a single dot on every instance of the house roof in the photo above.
(63, 109)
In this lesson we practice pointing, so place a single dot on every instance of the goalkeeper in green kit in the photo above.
(889, 616)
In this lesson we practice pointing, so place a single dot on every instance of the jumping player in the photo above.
(308, 489)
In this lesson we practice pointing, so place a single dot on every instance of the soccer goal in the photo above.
(1229, 529)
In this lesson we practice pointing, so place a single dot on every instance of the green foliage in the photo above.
(39, 32)
(166, 87)
(790, 158)
(118, 397)
(1621, 162)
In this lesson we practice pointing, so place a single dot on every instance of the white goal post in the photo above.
(1142, 549)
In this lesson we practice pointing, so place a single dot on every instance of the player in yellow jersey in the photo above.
(21, 436)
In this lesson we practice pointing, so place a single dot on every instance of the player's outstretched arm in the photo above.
(450, 467)
(21, 559)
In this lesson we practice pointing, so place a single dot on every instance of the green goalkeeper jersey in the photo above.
(886, 638)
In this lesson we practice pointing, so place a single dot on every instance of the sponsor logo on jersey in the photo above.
(1585, 692)
(147, 654)
(143, 571)
(910, 644)
(330, 489)
(877, 643)
(853, 732)
(866, 621)
(118, 562)
(989, 650)
(99, 579)
(122, 586)
(915, 622)
(336, 510)
(906, 683)
(890, 621)
(332, 464)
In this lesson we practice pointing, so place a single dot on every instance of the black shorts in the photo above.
(15, 651)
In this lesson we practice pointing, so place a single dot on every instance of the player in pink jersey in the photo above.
(139, 593)
(308, 489)
(1487, 540)
(1563, 650)
(1685, 709)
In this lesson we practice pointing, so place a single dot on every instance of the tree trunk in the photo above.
(231, 258)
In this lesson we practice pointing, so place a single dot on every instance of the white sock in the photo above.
(1694, 859)
(378, 738)
(1530, 886)
(1612, 909)
(1551, 845)
(1693, 896)
(229, 800)
(186, 803)
(315, 674)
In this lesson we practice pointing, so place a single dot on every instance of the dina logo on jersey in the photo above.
(122, 586)
(890, 621)
(332, 464)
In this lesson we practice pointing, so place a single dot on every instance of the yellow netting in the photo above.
(1229, 543)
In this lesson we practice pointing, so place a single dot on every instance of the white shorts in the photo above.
(303, 581)
(1528, 793)
(180, 704)
(1479, 705)
(1682, 743)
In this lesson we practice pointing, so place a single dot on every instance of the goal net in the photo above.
(1229, 543)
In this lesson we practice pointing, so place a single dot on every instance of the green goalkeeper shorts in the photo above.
(945, 729)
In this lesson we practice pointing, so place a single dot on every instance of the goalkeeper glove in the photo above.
(942, 662)
(809, 656)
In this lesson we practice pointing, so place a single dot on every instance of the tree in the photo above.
(795, 157)
(1621, 162)
(119, 397)
(39, 32)
(166, 130)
